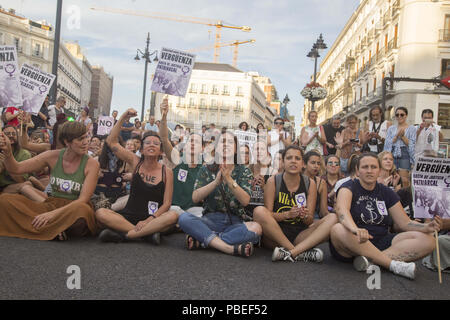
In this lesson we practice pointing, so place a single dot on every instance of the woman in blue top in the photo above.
(366, 210)
(401, 140)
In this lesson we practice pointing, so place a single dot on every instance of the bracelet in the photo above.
(152, 215)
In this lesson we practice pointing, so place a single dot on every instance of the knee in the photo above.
(172, 217)
(426, 239)
(331, 218)
(261, 214)
(337, 232)
(184, 219)
(254, 227)
(101, 214)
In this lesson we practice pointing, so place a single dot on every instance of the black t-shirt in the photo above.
(330, 133)
(369, 209)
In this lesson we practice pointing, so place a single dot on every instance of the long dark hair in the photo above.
(149, 133)
(104, 156)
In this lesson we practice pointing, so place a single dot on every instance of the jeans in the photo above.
(216, 224)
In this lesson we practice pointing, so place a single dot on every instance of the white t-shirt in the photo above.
(428, 140)
(276, 146)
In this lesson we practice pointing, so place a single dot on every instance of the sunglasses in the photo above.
(332, 163)
(400, 115)
(278, 122)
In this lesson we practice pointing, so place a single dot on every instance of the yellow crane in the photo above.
(219, 24)
(234, 43)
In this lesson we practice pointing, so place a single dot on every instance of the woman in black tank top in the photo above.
(147, 210)
(287, 218)
(313, 162)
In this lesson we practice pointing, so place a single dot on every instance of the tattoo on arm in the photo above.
(341, 217)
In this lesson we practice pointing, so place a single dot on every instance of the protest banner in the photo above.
(105, 125)
(35, 85)
(246, 137)
(431, 185)
(10, 91)
(173, 72)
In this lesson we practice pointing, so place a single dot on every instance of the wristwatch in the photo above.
(234, 185)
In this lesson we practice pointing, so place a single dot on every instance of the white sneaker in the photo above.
(361, 263)
(281, 254)
(312, 255)
(405, 269)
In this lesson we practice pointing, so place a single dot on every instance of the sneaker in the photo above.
(313, 255)
(109, 235)
(405, 269)
(361, 263)
(281, 254)
(154, 238)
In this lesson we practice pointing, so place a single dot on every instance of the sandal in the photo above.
(191, 243)
(61, 237)
(240, 249)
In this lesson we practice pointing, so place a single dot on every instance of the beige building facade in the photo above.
(383, 38)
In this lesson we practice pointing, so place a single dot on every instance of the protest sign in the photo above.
(245, 137)
(173, 72)
(105, 124)
(35, 85)
(10, 91)
(431, 185)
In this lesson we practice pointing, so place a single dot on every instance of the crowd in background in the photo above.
(348, 184)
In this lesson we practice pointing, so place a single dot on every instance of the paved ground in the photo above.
(37, 270)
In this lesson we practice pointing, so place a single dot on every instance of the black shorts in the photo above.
(381, 243)
(291, 231)
(132, 217)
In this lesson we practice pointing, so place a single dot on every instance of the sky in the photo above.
(284, 30)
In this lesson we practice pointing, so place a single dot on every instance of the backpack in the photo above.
(279, 179)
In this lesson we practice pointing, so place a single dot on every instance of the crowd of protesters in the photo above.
(345, 184)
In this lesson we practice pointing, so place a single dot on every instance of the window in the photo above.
(374, 83)
(238, 105)
(191, 102)
(226, 90)
(37, 50)
(204, 89)
(193, 88)
(215, 89)
(445, 68)
(17, 43)
(239, 92)
(444, 115)
(202, 102)
(213, 103)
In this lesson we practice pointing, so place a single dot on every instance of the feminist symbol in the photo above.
(42, 89)
(10, 68)
(65, 186)
(447, 182)
(185, 70)
(381, 208)
(182, 175)
(301, 199)
(152, 207)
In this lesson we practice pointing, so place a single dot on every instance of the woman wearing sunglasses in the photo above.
(401, 140)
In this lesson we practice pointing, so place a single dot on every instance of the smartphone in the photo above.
(354, 140)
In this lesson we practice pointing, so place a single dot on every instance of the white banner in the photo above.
(35, 85)
(10, 91)
(105, 124)
(173, 72)
(431, 185)
(246, 137)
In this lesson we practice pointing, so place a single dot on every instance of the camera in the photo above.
(354, 140)
(373, 141)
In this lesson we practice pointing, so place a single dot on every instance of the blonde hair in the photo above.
(380, 158)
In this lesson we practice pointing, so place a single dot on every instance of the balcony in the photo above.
(238, 109)
(202, 106)
(387, 18)
(192, 90)
(395, 9)
(225, 93)
(213, 108)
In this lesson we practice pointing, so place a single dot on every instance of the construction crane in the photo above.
(234, 43)
(174, 17)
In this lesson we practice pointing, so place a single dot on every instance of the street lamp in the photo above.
(284, 110)
(147, 56)
(317, 48)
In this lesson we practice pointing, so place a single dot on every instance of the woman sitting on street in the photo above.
(146, 212)
(332, 176)
(225, 188)
(388, 173)
(366, 211)
(67, 212)
(287, 218)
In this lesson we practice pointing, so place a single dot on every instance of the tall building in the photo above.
(33, 40)
(219, 94)
(401, 38)
(269, 90)
(86, 71)
(101, 92)
(69, 80)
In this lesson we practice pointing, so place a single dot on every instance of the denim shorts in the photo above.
(403, 161)
(381, 243)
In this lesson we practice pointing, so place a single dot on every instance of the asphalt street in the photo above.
(38, 270)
